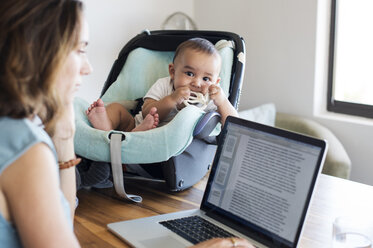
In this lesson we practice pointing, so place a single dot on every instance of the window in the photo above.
(350, 82)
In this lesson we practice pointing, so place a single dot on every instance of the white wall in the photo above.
(286, 52)
(112, 24)
(278, 36)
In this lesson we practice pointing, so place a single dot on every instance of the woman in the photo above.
(42, 61)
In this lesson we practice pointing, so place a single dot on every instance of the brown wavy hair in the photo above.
(36, 37)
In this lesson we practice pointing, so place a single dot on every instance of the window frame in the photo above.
(333, 105)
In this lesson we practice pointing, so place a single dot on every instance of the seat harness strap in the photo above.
(116, 167)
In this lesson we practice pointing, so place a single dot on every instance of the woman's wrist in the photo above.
(65, 149)
(67, 164)
(65, 153)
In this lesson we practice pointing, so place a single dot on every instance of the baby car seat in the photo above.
(180, 152)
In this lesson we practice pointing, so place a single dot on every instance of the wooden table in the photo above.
(97, 208)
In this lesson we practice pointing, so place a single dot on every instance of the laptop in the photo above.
(259, 188)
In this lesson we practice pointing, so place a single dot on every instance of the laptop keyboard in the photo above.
(195, 229)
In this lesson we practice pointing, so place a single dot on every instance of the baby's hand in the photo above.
(216, 94)
(180, 94)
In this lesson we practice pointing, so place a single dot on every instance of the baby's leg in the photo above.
(114, 116)
(121, 119)
(150, 121)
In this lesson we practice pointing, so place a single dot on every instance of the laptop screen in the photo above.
(262, 179)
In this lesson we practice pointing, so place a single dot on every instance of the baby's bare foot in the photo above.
(98, 117)
(150, 121)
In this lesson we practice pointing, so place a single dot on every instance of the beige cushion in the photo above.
(337, 161)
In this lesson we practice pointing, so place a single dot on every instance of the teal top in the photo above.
(16, 137)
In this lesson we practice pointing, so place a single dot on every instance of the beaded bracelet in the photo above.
(70, 163)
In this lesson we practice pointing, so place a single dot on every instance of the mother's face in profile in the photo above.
(75, 66)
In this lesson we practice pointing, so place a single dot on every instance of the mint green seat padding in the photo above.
(150, 146)
(142, 68)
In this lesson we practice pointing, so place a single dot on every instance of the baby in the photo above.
(195, 68)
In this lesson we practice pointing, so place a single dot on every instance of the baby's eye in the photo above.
(206, 79)
(190, 74)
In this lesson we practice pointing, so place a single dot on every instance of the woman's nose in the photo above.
(86, 68)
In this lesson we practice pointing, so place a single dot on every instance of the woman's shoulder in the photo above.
(17, 136)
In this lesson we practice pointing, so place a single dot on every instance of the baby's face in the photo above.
(197, 70)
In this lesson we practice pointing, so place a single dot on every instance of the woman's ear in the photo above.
(171, 71)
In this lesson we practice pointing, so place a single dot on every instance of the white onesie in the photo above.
(160, 89)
